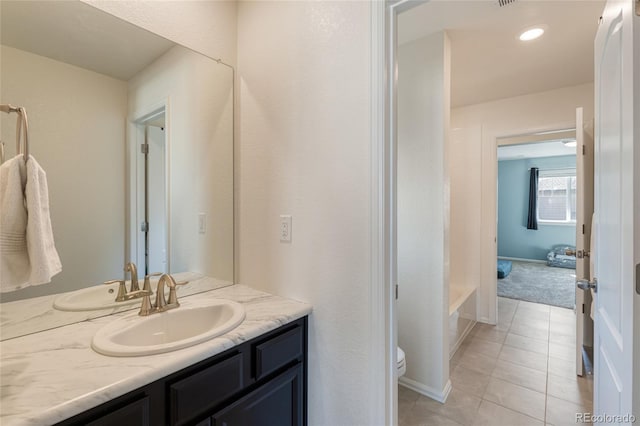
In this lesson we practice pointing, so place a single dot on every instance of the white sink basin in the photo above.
(177, 328)
(91, 298)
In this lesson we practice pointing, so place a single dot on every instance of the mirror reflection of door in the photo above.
(152, 239)
(156, 235)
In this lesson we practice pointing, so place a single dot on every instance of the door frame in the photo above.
(135, 168)
(561, 129)
(384, 377)
(489, 210)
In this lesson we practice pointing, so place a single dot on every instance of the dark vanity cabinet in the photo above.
(262, 382)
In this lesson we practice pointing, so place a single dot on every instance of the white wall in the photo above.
(549, 110)
(304, 145)
(466, 194)
(208, 27)
(199, 126)
(77, 134)
(423, 213)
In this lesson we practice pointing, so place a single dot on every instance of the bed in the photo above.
(562, 256)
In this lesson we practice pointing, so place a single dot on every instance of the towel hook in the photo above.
(22, 124)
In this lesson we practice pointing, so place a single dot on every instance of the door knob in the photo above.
(587, 285)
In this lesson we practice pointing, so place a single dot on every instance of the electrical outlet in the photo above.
(285, 228)
(202, 223)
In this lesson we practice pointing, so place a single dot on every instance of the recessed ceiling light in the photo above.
(570, 144)
(531, 34)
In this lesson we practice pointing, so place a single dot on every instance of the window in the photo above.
(557, 196)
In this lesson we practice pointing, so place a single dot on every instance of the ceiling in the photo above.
(489, 62)
(81, 35)
(553, 148)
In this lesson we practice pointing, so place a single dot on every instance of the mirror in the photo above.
(98, 91)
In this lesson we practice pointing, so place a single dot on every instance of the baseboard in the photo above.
(463, 336)
(440, 396)
(485, 320)
(518, 259)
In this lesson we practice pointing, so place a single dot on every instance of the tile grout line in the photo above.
(491, 376)
(519, 308)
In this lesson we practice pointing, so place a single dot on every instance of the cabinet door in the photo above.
(133, 414)
(202, 391)
(278, 402)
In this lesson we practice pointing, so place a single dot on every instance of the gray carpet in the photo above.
(539, 283)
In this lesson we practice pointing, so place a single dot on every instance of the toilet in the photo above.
(402, 365)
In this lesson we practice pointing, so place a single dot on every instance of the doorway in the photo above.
(151, 235)
(509, 117)
(537, 189)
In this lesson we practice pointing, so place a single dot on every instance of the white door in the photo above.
(614, 206)
(157, 201)
(584, 212)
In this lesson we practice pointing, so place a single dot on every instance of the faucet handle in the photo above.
(146, 307)
(173, 296)
(147, 281)
(122, 290)
(138, 293)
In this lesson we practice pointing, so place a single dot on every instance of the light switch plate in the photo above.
(285, 228)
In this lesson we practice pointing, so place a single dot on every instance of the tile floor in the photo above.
(519, 372)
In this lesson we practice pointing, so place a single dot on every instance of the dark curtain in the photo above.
(532, 219)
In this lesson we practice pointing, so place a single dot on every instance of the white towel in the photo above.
(45, 262)
(14, 265)
(27, 250)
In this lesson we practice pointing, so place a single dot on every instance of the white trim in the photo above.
(570, 223)
(384, 196)
(636, 215)
(438, 395)
(491, 139)
(463, 336)
(382, 376)
(564, 172)
(520, 259)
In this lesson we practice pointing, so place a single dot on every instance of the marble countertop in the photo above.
(50, 376)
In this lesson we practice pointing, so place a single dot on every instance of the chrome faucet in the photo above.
(162, 304)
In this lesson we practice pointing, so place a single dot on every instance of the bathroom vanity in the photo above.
(262, 381)
(255, 373)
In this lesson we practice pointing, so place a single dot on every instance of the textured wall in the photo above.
(304, 142)
(77, 134)
(555, 109)
(206, 26)
(200, 134)
(423, 212)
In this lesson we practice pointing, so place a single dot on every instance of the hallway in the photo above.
(519, 372)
